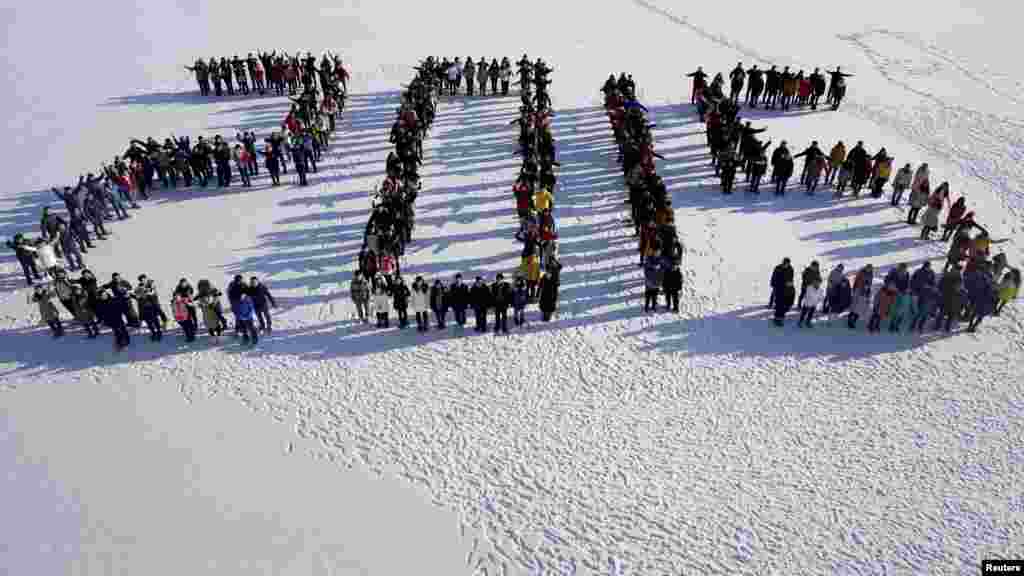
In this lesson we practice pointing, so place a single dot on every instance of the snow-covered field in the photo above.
(606, 442)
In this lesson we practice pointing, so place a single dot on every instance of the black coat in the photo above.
(922, 277)
(673, 280)
(548, 294)
(458, 296)
(400, 293)
(260, 296)
(501, 294)
(782, 275)
(235, 291)
(480, 296)
(438, 298)
(809, 276)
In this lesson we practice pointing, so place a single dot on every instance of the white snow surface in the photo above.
(607, 442)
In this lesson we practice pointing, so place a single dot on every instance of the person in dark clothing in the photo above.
(121, 293)
(400, 296)
(836, 86)
(112, 312)
(699, 81)
(299, 158)
(782, 274)
(899, 277)
(812, 154)
(755, 84)
(782, 168)
(784, 299)
(772, 85)
(262, 301)
(236, 288)
(25, 258)
(548, 294)
(439, 302)
(672, 284)
(950, 289)
(480, 297)
(736, 79)
(923, 276)
(501, 299)
(458, 297)
(810, 276)
(817, 87)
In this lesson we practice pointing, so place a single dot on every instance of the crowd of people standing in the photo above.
(651, 213)
(972, 285)
(268, 71)
(378, 286)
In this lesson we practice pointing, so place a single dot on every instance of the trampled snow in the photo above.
(606, 442)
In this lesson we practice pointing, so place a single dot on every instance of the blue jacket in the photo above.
(245, 310)
(633, 104)
(519, 297)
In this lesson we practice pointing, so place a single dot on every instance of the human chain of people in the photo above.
(174, 166)
(973, 283)
(378, 284)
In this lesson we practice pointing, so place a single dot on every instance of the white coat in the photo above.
(420, 300)
(45, 253)
(813, 296)
(381, 301)
(453, 73)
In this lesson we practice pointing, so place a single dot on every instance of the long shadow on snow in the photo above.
(718, 335)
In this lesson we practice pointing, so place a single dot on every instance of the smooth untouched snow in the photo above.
(606, 442)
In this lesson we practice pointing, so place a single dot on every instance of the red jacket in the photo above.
(291, 123)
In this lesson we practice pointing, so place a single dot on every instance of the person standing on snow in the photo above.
(836, 276)
(25, 258)
(699, 81)
(43, 296)
(262, 301)
(810, 275)
(809, 303)
(401, 297)
(673, 284)
(736, 79)
(420, 301)
(483, 72)
(652, 284)
(501, 297)
(246, 311)
(812, 154)
(836, 86)
(439, 302)
(359, 290)
(755, 85)
(782, 168)
(149, 307)
(900, 183)
(480, 298)
(505, 73)
(234, 291)
(458, 296)
(469, 71)
(549, 293)
(780, 274)
(785, 295)
(381, 304)
(520, 298)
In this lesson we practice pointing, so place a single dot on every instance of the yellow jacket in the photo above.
(885, 169)
(543, 199)
(1008, 291)
(838, 155)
